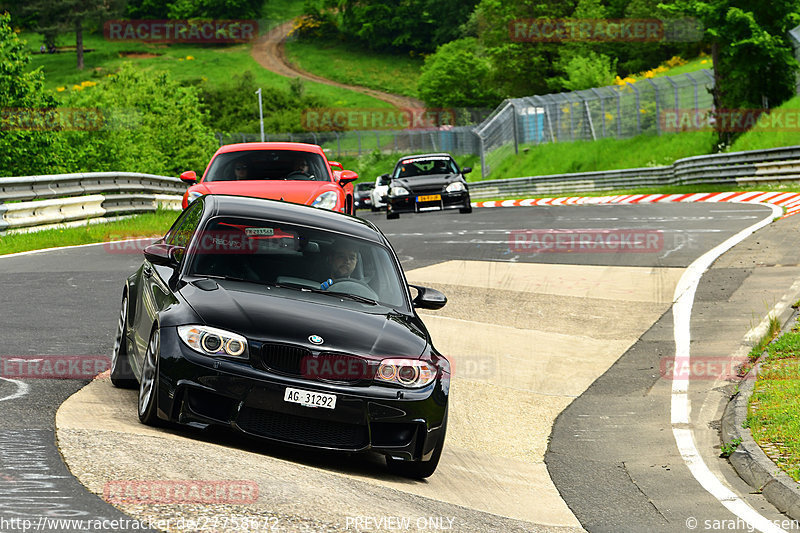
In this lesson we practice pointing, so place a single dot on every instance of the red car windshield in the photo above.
(250, 165)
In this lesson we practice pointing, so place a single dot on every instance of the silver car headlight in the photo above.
(213, 341)
(194, 195)
(398, 191)
(326, 200)
(410, 373)
(456, 186)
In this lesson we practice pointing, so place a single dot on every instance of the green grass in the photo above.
(212, 64)
(351, 64)
(145, 225)
(774, 409)
(786, 133)
(277, 11)
(603, 154)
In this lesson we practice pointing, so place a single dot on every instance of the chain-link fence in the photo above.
(618, 111)
(455, 140)
(652, 105)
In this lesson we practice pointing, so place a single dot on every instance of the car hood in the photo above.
(426, 182)
(276, 315)
(298, 192)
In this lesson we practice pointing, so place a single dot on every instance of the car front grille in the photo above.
(283, 358)
(303, 430)
(430, 189)
(325, 366)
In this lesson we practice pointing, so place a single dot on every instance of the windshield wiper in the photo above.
(355, 297)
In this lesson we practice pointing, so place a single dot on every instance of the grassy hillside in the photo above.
(214, 65)
(345, 63)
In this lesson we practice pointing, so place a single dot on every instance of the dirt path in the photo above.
(269, 52)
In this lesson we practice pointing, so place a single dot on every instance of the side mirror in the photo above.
(164, 254)
(347, 176)
(336, 164)
(189, 177)
(428, 298)
(466, 170)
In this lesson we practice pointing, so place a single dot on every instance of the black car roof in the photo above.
(246, 206)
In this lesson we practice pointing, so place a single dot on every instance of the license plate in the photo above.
(309, 399)
(429, 198)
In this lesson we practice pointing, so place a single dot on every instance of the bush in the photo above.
(233, 108)
(457, 75)
(588, 71)
(152, 124)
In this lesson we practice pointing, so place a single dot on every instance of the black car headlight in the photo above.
(213, 341)
(410, 373)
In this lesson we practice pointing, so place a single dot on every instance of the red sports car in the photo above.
(294, 172)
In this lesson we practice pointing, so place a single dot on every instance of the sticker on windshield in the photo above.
(252, 232)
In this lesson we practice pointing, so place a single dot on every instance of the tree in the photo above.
(58, 16)
(457, 75)
(26, 145)
(754, 65)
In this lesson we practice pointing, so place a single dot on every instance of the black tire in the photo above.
(121, 372)
(465, 210)
(148, 383)
(419, 469)
(374, 209)
(392, 216)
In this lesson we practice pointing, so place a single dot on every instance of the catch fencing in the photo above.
(617, 111)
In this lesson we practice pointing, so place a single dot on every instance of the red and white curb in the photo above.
(789, 201)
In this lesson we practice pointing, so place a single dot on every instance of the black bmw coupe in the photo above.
(288, 323)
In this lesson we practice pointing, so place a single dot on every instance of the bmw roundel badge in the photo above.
(316, 339)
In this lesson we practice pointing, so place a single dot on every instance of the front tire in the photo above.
(392, 216)
(148, 384)
(121, 373)
(419, 469)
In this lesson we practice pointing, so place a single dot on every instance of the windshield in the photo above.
(267, 165)
(428, 166)
(297, 258)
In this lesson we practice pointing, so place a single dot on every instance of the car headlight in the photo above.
(398, 191)
(213, 341)
(326, 200)
(410, 373)
(456, 186)
(194, 195)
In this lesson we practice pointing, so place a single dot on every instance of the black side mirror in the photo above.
(466, 170)
(428, 298)
(164, 254)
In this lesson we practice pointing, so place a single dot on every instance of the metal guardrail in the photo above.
(35, 201)
(735, 168)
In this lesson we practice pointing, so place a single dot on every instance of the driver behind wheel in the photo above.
(342, 262)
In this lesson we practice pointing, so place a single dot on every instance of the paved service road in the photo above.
(529, 331)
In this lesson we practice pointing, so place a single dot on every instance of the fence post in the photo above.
(638, 109)
(359, 142)
(219, 138)
(338, 145)
(378, 140)
(515, 127)
(482, 151)
(619, 114)
(674, 88)
(658, 106)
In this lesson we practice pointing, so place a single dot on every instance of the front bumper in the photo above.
(415, 203)
(197, 390)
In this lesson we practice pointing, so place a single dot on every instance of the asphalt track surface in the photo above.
(65, 303)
